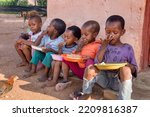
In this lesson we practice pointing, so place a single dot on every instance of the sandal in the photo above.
(63, 85)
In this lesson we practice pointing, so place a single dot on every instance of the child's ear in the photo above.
(123, 31)
(41, 24)
(76, 39)
(95, 34)
(55, 32)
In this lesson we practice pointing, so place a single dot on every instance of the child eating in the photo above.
(112, 51)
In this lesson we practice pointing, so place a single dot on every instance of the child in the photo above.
(71, 36)
(87, 48)
(112, 51)
(23, 44)
(27, 15)
(49, 40)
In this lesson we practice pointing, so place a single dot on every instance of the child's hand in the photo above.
(43, 33)
(85, 58)
(60, 45)
(81, 44)
(20, 41)
(107, 41)
(44, 49)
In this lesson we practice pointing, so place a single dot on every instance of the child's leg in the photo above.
(47, 63)
(20, 53)
(56, 72)
(88, 82)
(125, 87)
(37, 56)
(27, 52)
(75, 68)
(89, 79)
(32, 72)
(65, 70)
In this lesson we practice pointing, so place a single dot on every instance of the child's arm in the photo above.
(103, 49)
(60, 46)
(27, 42)
(45, 50)
(80, 45)
(132, 67)
(132, 61)
(38, 40)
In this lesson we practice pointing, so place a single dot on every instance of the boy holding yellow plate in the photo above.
(112, 51)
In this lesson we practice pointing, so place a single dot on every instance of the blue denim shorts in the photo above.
(107, 79)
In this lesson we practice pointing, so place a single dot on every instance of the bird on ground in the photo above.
(7, 85)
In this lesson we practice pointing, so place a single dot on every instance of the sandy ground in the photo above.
(29, 89)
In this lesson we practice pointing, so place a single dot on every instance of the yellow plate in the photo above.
(110, 66)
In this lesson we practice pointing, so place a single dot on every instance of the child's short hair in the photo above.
(94, 25)
(32, 13)
(75, 30)
(59, 25)
(37, 18)
(117, 18)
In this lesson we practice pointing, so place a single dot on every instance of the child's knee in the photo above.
(125, 69)
(24, 47)
(16, 45)
(125, 73)
(58, 63)
(90, 72)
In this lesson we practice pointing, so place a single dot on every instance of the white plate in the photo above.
(56, 57)
(36, 48)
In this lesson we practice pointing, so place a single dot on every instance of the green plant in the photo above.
(42, 3)
(22, 3)
(8, 2)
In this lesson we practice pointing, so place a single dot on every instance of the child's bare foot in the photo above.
(28, 69)
(29, 74)
(22, 64)
(43, 78)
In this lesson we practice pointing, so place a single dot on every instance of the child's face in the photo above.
(34, 25)
(114, 32)
(88, 35)
(69, 37)
(51, 30)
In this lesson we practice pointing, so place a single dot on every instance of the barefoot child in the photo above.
(49, 40)
(112, 51)
(23, 44)
(88, 47)
(71, 36)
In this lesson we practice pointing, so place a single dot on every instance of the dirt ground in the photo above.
(30, 88)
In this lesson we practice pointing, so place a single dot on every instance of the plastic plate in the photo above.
(71, 59)
(110, 66)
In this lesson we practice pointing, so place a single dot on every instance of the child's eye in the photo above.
(108, 33)
(85, 34)
(115, 32)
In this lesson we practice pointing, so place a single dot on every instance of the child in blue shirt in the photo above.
(49, 40)
(71, 36)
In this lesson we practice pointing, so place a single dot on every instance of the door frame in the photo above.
(145, 58)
